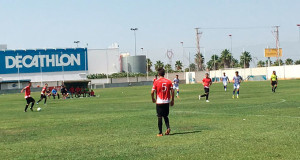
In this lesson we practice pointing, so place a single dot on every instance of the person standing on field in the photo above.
(164, 90)
(206, 84)
(28, 98)
(274, 81)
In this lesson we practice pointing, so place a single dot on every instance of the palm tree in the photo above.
(149, 64)
(261, 63)
(297, 62)
(276, 63)
(226, 58)
(168, 68)
(268, 62)
(235, 63)
(199, 59)
(178, 65)
(245, 59)
(289, 61)
(192, 67)
(159, 64)
(213, 63)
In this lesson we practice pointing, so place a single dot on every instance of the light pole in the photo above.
(230, 49)
(77, 42)
(298, 25)
(147, 63)
(134, 30)
(183, 60)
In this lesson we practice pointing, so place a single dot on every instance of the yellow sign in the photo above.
(273, 52)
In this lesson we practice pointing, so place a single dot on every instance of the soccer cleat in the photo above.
(199, 97)
(37, 103)
(232, 96)
(168, 131)
(207, 100)
(159, 135)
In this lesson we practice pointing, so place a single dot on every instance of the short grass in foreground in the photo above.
(122, 124)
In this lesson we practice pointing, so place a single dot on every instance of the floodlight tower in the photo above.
(298, 25)
(230, 36)
(198, 36)
(134, 30)
(276, 34)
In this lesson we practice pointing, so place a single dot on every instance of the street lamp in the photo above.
(230, 49)
(147, 65)
(134, 30)
(77, 42)
(298, 25)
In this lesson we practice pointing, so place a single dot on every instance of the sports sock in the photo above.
(45, 101)
(160, 125)
(32, 104)
(233, 92)
(207, 96)
(177, 93)
(39, 101)
(272, 89)
(238, 92)
(26, 107)
(203, 95)
(167, 122)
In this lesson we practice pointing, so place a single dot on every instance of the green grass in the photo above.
(122, 124)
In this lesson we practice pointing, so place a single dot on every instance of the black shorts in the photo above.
(162, 110)
(274, 83)
(29, 100)
(43, 96)
(206, 90)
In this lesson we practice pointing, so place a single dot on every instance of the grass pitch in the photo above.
(122, 124)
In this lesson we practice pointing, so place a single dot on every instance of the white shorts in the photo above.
(177, 88)
(224, 83)
(236, 86)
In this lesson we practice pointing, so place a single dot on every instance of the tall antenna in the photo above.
(198, 36)
(276, 34)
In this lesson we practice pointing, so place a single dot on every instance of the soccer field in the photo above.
(122, 124)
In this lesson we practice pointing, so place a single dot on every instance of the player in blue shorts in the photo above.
(176, 85)
(237, 79)
(225, 79)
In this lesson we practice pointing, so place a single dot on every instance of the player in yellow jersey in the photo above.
(274, 81)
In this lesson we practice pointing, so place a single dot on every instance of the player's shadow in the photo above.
(187, 132)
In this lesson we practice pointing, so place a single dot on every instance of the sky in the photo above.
(162, 25)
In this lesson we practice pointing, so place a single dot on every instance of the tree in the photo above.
(261, 63)
(199, 59)
(245, 59)
(235, 63)
(149, 64)
(168, 68)
(159, 64)
(289, 61)
(270, 62)
(297, 62)
(178, 65)
(213, 63)
(226, 58)
(276, 63)
(192, 67)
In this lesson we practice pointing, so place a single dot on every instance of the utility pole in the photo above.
(276, 33)
(134, 30)
(298, 25)
(230, 50)
(198, 36)
(183, 60)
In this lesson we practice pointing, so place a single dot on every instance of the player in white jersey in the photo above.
(225, 79)
(237, 79)
(176, 85)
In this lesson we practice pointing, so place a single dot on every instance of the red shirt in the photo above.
(78, 89)
(206, 82)
(92, 93)
(162, 86)
(27, 91)
(154, 80)
(72, 90)
(44, 90)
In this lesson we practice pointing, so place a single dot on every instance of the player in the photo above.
(225, 79)
(237, 79)
(206, 84)
(43, 94)
(164, 90)
(72, 91)
(64, 92)
(54, 93)
(274, 81)
(176, 85)
(155, 79)
(28, 98)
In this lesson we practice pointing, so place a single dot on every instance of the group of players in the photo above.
(45, 93)
(164, 90)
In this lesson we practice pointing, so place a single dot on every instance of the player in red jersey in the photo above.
(43, 94)
(206, 83)
(72, 91)
(155, 79)
(28, 98)
(163, 89)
